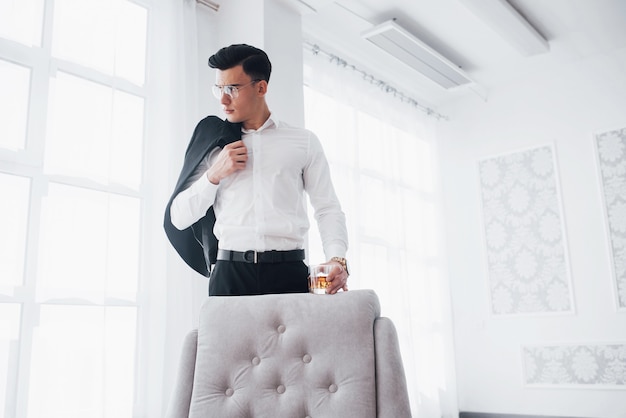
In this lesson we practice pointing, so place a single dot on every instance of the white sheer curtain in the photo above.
(383, 159)
(172, 291)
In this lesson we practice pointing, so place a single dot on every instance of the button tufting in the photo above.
(306, 358)
(280, 389)
(256, 361)
(332, 388)
(229, 392)
(281, 329)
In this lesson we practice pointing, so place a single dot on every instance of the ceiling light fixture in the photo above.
(508, 23)
(403, 45)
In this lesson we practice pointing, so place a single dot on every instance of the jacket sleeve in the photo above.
(187, 242)
(197, 245)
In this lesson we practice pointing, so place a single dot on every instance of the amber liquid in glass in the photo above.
(320, 284)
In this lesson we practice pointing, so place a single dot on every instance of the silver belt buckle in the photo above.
(251, 256)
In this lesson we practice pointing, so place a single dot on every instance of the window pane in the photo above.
(13, 226)
(374, 269)
(332, 122)
(122, 235)
(425, 165)
(393, 216)
(82, 362)
(130, 51)
(127, 140)
(9, 345)
(89, 245)
(21, 21)
(94, 132)
(408, 165)
(109, 36)
(372, 218)
(373, 144)
(83, 32)
(15, 87)
(414, 234)
(79, 129)
(431, 227)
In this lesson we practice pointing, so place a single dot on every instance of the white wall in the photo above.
(283, 44)
(208, 44)
(564, 108)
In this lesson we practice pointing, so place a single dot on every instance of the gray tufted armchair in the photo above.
(291, 356)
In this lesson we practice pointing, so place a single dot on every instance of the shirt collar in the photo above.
(271, 122)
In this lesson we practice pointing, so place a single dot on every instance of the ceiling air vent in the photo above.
(400, 43)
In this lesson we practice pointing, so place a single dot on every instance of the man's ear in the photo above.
(261, 87)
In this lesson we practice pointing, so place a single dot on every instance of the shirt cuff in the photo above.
(191, 204)
(335, 250)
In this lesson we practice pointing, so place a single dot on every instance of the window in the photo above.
(72, 77)
(383, 176)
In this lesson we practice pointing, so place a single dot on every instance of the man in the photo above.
(248, 175)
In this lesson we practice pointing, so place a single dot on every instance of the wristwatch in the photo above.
(343, 262)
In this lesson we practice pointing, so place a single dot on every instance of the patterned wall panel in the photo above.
(594, 366)
(611, 148)
(525, 243)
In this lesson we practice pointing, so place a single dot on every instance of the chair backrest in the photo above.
(295, 355)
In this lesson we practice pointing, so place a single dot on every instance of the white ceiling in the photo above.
(575, 29)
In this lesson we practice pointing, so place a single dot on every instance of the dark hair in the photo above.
(254, 61)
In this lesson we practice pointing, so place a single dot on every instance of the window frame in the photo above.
(29, 163)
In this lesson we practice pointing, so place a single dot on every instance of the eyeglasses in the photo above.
(231, 90)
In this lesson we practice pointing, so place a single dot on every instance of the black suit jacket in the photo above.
(197, 245)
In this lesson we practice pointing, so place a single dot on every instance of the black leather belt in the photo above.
(264, 257)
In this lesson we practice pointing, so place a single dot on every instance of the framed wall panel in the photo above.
(525, 241)
(594, 366)
(611, 151)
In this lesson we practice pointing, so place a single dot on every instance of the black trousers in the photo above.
(234, 278)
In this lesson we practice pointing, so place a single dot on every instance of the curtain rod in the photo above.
(384, 86)
(210, 4)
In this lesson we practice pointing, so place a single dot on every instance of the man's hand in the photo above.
(231, 158)
(338, 278)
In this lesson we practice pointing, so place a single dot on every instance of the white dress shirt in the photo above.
(263, 206)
